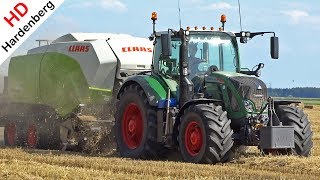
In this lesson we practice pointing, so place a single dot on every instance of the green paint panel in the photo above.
(156, 86)
(52, 79)
(23, 79)
(172, 84)
(62, 83)
(225, 85)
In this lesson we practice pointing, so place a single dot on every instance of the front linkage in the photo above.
(269, 129)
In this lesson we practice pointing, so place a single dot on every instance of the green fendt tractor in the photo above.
(199, 99)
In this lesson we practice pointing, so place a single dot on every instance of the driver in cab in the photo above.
(193, 60)
(193, 65)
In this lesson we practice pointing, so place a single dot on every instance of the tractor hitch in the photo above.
(275, 135)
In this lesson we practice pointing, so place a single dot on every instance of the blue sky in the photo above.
(297, 23)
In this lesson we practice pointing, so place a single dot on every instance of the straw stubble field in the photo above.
(31, 164)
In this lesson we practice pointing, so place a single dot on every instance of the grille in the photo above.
(251, 88)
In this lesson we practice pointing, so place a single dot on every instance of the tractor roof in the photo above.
(158, 34)
(89, 36)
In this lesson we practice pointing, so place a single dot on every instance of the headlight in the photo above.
(248, 105)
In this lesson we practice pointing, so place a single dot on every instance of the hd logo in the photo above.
(20, 10)
(19, 19)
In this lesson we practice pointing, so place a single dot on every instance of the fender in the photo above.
(153, 89)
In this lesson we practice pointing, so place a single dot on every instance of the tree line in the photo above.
(302, 92)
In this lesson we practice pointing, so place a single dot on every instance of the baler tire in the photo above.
(46, 135)
(136, 135)
(49, 132)
(10, 132)
(32, 136)
(216, 135)
(294, 116)
(18, 132)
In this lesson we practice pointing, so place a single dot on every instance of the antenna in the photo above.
(240, 14)
(179, 13)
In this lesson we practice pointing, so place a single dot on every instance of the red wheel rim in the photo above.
(132, 126)
(11, 134)
(193, 138)
(32, 136)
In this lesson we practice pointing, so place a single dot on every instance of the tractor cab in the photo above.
(208, 51)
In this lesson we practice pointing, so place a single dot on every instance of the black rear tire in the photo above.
(293, 116)
(133, 108)
(205, 134)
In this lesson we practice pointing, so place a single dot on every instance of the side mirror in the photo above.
(166, 45)
(274, 49)
(258, 70)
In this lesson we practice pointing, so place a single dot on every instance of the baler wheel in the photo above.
(32, 136)
(205, 135)
(136, 125)
(11, 134)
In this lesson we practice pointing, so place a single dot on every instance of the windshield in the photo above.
(211, 50)
(204, 50)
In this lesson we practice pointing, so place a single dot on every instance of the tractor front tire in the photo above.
(293, 116)
(136, 125)
(205, 135)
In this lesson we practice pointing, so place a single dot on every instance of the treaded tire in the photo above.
(46, 135)
(293, 116)
(216, 134)
(49, 131)
(144, 146)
